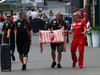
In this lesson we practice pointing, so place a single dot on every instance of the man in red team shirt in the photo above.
(79, 29)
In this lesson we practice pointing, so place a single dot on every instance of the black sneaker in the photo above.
(24, 67)
(59, 66)
(53, 64)
(13, 57)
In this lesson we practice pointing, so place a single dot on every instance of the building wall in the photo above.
(99, 12)
(76, 4)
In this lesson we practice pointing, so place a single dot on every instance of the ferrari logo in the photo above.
(74, 24)
(79, 23)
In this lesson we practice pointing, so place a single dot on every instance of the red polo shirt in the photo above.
(78, 27)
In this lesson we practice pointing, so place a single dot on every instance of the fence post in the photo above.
(11, 10)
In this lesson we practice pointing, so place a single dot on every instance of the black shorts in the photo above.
(6, 40)
(23, 47)
(59, 46)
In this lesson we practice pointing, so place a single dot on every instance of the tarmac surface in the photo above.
(40, 63)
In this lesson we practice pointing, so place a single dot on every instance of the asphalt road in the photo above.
(39, 64)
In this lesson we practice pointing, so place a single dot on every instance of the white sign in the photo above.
(39, 1)
(25, 1)
(40, 8)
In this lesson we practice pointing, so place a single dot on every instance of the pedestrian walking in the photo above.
(57, 24)
(5, 29)
(23, 38)
(79, 28)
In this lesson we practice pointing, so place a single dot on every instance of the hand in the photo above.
(83, 33)
(2, 41)
(8, 36)
(65, 32)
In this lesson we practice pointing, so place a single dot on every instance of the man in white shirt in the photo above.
(29, 14)
(34, 14)
(15, 17)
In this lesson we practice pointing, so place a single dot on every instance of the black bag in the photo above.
(5, 57)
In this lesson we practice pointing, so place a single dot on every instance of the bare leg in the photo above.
(53, 55)
(21, 58)
(25, 60)
(53, 58)
(59, 57)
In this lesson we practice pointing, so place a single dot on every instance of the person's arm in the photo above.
(51, 14)
(49, 29)
(8, 33)
(29, 33)
(2, 40)
(3, 33)
(9, 30)
(85, 30)
(70, 32)
(30, 36)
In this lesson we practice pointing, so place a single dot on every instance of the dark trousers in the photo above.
(0, 38)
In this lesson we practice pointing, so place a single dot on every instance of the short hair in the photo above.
(33, 9)
(8, 14)
(50, 10)
(57, 12)
(76, 13)
(14, 13)
(66, 18)
(21, 13)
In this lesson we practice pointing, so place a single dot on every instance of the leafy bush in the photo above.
(89, 31)
(96, 28)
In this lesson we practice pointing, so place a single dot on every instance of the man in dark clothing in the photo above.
(23, 38)
(57, 24)
(7, 26)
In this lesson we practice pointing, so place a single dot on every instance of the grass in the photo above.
(7, 7)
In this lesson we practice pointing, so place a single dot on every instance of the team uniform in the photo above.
(22, 37)
(78, 41)
(7, 26)
(55, 26)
